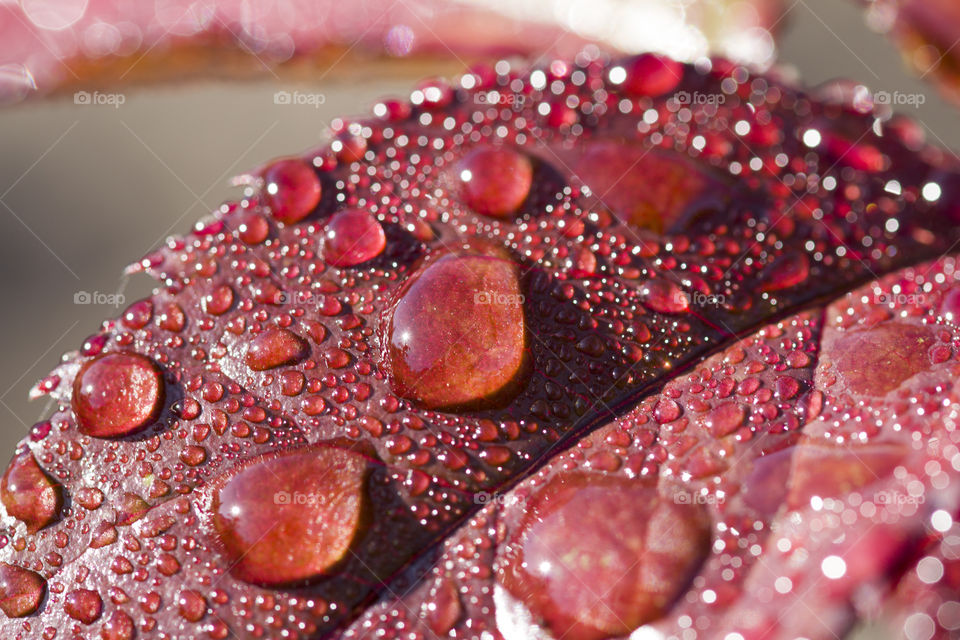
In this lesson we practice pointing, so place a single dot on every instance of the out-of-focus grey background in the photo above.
(87, 189)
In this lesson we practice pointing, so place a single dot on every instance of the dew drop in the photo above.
(587, 536)
(457, 334)
(664, 296)
(218, 300)
(117, 626)
(788, 270)
(117, 394)
(494, 181)
(653, 75)
(291, 516)
(83, 605)
(29, 494)
(646, 189)
(275, 347)
(291, 189)
(352, 237)
(21, 590)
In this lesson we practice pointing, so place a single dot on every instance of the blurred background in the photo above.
(86, 189)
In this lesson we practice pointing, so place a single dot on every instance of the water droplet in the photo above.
(787, 270)
(600, 556)
(218, 300)
(252, 228)
(171, 317)
(131, 508)
(191, 605)
(494, 181)
(29, 494)
(21, 590)
(443, 609)
(292, 516)
(276, 347)
(89, 498)
(725, 419)
(352, 237)
(876, 361)
(649, 74)
(664, 296)
(457, 334)
(117, 626)
(138, 314)
(646, 189)
(83, 605)
(117, 394)
(291, 189)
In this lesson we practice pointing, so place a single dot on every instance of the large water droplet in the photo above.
(649, 74)
(276, 347)
(600, 556)
(353, 236)
(457, 334)
(494, 181)
(117, 394)
(291, 189)
(875, 361)
(646, 189)
(786, 271)
(292, 516)
(28, 493)
(443, 609)
(836, 471)
(21, 590)
(950, 305)
(664, 296)
(725, 419)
